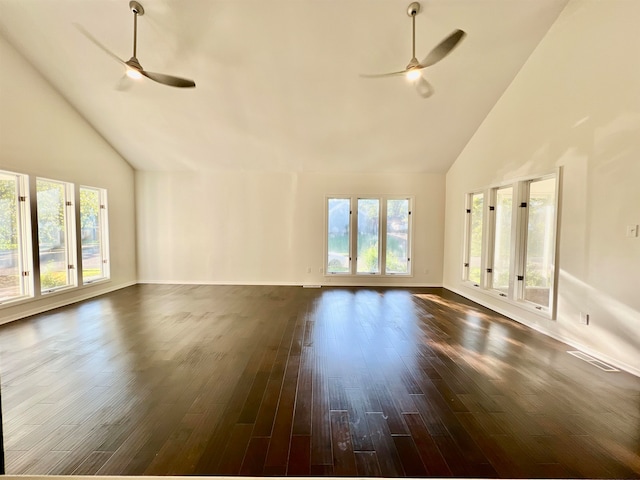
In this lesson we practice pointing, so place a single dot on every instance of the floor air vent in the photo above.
(593, 361)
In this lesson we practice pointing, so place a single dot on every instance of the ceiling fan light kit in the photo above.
(414, 69)
(133, 68)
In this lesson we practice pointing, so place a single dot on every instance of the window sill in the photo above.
(368, 275)
(24, 300)
(544, 312)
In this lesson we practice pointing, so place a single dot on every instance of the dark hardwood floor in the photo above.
(231, 380)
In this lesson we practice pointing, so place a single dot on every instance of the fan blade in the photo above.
(169, 80)
(381, 75)
(443, 48)
(98, 44)
(424, 88)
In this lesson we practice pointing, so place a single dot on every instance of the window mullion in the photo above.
(523, 194)
(382, 235)
(104, 231)
(490, 238)
(72, 257)
(24, 224)
(353, 237)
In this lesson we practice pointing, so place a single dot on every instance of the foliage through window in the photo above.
(338, 235)
(56, 262)
(501, 270)
(397, 252)
(15, 245)
(55, 234)
(518, 230)
(382, 241)
(93, 234)
(539, 259)
(368, 235)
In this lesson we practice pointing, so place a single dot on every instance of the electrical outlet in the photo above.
(632, 231)
(584, 318)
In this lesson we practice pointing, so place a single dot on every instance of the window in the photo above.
(94, 234)
(338, 235)
(540, 241)
(383, 236)
(368, 235)
(26, 273)
(519, 236)
(503, 213)
(397, 241)
(56, 235)
(15, 237)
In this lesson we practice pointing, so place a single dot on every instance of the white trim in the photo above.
(291, 284)
(219, 282)
(383, 284)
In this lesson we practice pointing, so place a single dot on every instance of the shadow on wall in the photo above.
(598, 137)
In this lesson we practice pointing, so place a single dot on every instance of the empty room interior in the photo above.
(320, 238)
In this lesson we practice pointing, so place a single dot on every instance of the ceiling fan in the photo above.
(133, 67)
(413, 70)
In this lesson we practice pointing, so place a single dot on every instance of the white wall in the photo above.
(575, 104)
(268, 228)
(41, 135)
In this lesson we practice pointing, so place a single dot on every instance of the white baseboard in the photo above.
(234, 283)
(290, 284)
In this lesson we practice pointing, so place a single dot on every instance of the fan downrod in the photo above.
(136, 8)
(412, 10)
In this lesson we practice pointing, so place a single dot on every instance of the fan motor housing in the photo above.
(413, 9)
(136, 7)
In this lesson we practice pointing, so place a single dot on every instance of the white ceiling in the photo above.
(278, 85)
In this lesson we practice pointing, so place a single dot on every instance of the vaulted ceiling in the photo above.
(278, 84)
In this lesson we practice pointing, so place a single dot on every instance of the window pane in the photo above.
(11, 284)
(475, 237)
(338, 214)
(502, 241)
(540, 242)
(368, 229)
(397, 254)
(52, 229)
(91, 235)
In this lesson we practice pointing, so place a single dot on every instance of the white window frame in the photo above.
(25, 249)
(491, 234)
(382, 236)
(521, 263)
(103, 219)
(519, 229)
(70, 238)
(326, 234)
(356, 218)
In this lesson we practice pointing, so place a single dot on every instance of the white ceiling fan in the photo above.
(133, 67)
(414, 70)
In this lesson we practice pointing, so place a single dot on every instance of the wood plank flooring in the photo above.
(263, 381)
